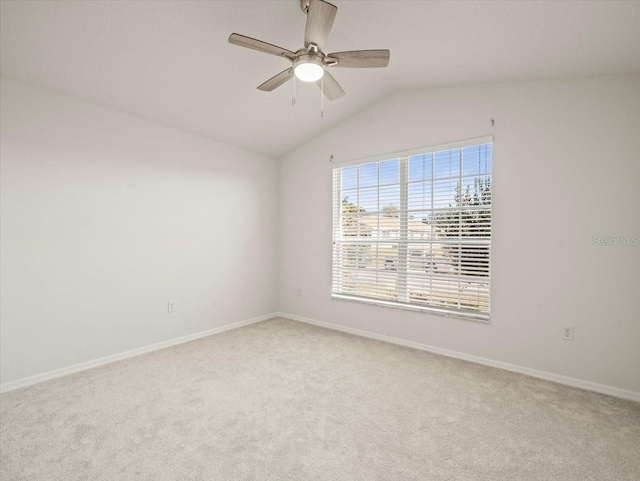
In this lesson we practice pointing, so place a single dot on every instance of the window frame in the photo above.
(403, 158)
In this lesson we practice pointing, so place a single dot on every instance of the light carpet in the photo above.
(281, 400)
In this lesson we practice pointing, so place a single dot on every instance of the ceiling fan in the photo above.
(310, 63)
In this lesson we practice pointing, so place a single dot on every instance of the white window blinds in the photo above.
(415, 231)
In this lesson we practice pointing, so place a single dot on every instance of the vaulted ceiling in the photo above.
(169, 61)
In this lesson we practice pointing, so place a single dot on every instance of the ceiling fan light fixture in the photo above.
(310, 63)
(308, 68)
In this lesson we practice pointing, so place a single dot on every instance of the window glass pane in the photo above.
(418, 226)
(446, 223)
(389, 172)
(424, 216)
(368, 175)
(445, 193)
(388, 226)
(349, 201)
(368, 199)
(390, 200)
(446, 164)
(419, 167)
(476, 160)
(349, 177)
(419, 195)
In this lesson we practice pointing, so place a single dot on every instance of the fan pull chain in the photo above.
(293, 100)
(322, 97)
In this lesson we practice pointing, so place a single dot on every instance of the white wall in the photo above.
(566, 169)
(106, 217)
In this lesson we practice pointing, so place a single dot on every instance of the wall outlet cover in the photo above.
(567, 333)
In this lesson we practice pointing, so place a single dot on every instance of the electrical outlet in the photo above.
(299, 292)
(567, 333)
(171, 306)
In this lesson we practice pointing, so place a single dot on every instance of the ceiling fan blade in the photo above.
(275, 82)
(361, 58)
(260, 46)
(320, 19)
(332, 89)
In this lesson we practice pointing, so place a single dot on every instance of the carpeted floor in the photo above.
(280, 400)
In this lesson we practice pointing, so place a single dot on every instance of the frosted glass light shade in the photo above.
(309, 72)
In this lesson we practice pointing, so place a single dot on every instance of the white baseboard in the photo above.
(83, 366)
(569, 381)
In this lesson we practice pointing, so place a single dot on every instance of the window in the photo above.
(413, 230)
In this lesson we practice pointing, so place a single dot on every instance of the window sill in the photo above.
(478, 317)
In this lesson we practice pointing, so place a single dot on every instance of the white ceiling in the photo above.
(169, 61)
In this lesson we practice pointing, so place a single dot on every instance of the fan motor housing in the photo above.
(318, 59)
